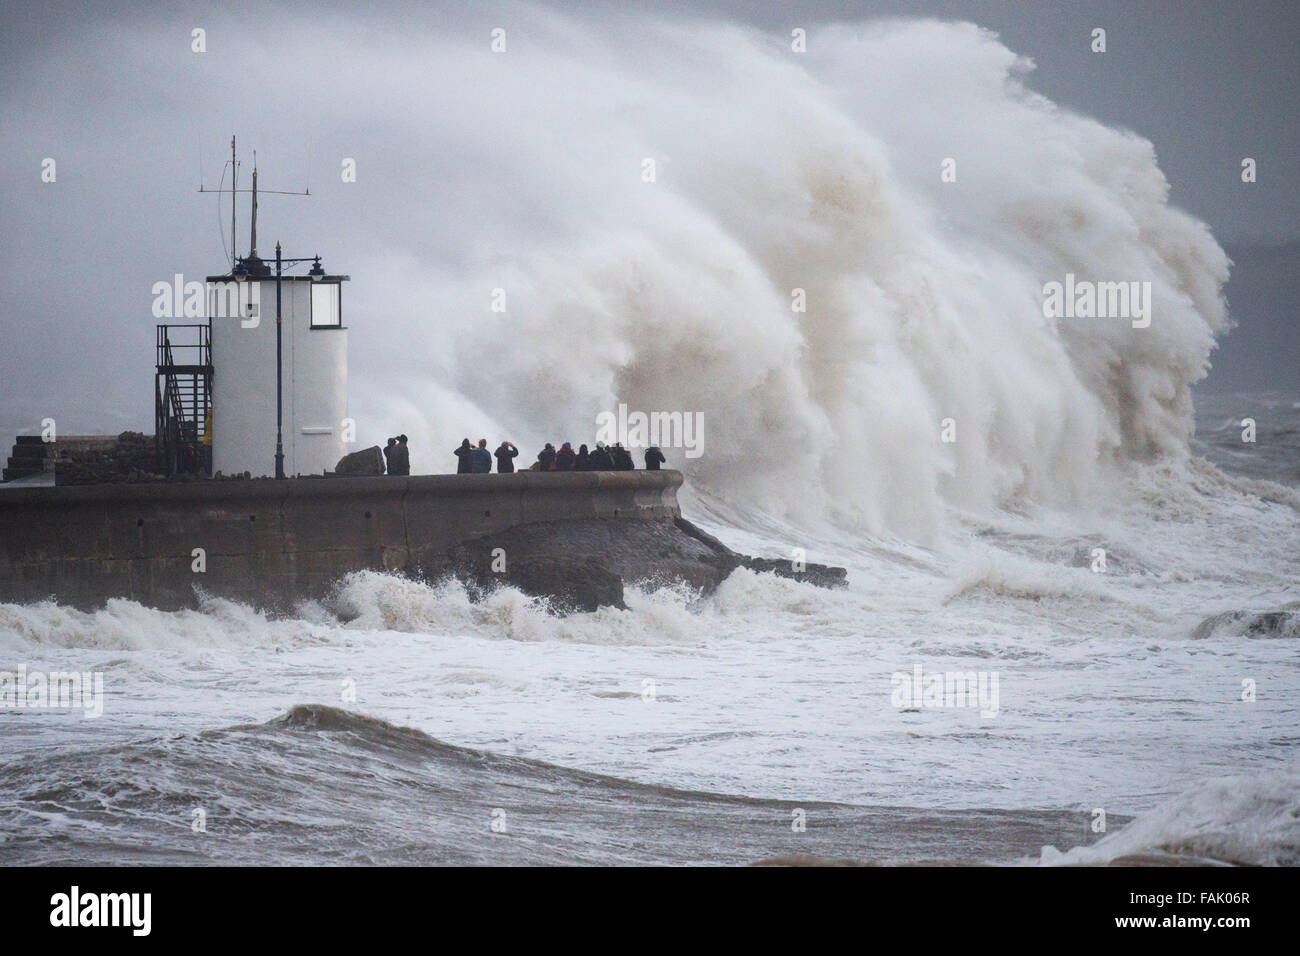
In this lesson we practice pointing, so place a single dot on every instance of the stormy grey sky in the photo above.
(133, 118)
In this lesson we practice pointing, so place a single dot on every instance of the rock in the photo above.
(1250, 624)
(368, 461)
(818, 574)
(584, 565)
(570, 584)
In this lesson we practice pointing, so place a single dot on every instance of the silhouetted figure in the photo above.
(654, 458)
(482, 458)
(546, 458)
(399, 458)
(622, 460)
(600, 460)
(564, 458)
(583, 461)
(506, 454)
(388, 463)
(464, 458)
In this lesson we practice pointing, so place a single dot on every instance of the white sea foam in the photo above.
(1251, 819)
(127, 625)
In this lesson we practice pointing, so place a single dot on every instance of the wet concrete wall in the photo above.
(270, 543)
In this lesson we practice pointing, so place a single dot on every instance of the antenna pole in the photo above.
(279, 362)
(233, 199)
(253, 241)
(250, 261)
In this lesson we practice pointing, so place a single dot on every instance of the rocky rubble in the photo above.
(129, 458)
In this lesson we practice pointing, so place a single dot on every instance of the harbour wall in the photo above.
(270, 543)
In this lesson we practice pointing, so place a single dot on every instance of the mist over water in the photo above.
(774, 172)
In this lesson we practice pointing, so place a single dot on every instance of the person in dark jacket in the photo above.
(654, 458)
(388, 464)
(506, 454)
(546, 458)
(482, 458)
(399, 457)
(583, 461)
(622, 460)
(600, 460)
(465, 458)
(564, 458)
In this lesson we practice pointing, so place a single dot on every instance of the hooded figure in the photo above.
(506, 454)
(546, 458)
(622, 460)
(465, 458)
(600, 460)
(583, 461)
(399, 457)
(564, 458)
(654, 458)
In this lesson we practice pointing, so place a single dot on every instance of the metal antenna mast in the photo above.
(252, 242)
(234, 191)
(233, 167)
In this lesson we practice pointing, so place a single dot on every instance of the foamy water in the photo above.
(728, 713)
(768, 689)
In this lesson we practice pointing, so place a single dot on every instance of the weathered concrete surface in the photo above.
(31, 456)
(271, 542)
(573, 537)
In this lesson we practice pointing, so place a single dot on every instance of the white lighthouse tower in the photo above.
(279, 357)
(306, 376)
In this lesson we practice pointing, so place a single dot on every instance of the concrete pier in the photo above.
(270, 543)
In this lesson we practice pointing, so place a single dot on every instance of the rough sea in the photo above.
(758, 723)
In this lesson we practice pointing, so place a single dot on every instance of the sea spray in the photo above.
(798, 272)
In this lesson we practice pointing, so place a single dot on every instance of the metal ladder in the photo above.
(182, 397)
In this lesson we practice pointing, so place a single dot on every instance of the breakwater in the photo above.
(270, 543)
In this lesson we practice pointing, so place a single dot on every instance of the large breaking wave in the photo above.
(776, 171)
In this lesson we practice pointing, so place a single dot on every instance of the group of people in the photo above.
(477, 460)
(473, 460)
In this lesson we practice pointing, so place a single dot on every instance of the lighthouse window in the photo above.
(325, 311)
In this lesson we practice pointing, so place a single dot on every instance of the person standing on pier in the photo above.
(399, 457)
(506, 453)
(465, 458)
(482, 459)
(621, 458)
(600, 460)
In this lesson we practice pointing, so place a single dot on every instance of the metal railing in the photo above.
(182, 397)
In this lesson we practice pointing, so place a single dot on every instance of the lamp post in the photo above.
(279, 369)
(317, 273)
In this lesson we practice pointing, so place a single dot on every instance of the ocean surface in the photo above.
(759, 723)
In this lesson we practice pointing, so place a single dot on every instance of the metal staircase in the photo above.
(182, 398)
